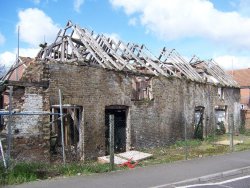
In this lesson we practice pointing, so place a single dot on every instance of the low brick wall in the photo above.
(30, 148)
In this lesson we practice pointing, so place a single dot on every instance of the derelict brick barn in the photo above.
(152, 98)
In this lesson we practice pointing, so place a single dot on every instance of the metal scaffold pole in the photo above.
(111, 142)
(231, 133)
(62, 129)
(9, 126)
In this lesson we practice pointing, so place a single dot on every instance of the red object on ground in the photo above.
(129, 164)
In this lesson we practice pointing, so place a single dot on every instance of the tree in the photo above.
(3, 70)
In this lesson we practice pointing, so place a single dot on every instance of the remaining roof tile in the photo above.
(242, 76)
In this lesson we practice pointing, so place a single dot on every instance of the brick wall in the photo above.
(31, 133)
(155, 122)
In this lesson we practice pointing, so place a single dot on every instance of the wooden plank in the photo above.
(141, 53)
(44, 84)
(114, 53)
(74, 49)
(101, 61)
(137, 59)
(98, 49)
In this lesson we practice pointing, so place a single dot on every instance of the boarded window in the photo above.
(221, 92)
(142, 88)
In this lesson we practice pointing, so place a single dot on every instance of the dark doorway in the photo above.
(198, 124)
(120, 113)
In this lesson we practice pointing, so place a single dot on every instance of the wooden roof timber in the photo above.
(83, 45)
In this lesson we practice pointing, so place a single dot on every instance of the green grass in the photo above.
(194, 149)
(22, 172)
(84, 168)
(26, 172)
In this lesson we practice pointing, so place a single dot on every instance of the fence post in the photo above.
(186, 145)
(9, 126)
(62, 130)
(111, 142)
(231, 133)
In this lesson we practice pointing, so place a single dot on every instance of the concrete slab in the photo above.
(227, 142)
(106, 159)
(124, 157)
(134, 155)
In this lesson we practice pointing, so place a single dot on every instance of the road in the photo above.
(163, 175)
(240, 182)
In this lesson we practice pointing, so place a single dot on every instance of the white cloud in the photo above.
(28, 52)
(114, 36)
(178, 19)
(229, 62)
(78, 4)
(8, 58)
(2, 39)
(35, 25)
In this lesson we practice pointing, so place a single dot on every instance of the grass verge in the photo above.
(26, 172)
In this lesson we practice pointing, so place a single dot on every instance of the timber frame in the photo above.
(76, 45)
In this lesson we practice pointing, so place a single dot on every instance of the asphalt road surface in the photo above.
(241, 182)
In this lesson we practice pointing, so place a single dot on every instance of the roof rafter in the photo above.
(81, 46)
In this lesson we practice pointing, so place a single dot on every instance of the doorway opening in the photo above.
(221, 119)
(198, 123)
(120, 127)
(71, 130)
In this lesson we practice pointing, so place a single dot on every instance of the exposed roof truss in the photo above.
(74, 44)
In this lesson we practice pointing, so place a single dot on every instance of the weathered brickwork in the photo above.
(155, 122)
(31, 133)
(151, 122)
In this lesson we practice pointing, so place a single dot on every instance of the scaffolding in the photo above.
(10, 113)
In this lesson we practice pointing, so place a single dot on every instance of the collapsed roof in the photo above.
(76, 45)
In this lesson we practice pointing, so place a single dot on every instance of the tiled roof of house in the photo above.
(17, 69)
(242, 76)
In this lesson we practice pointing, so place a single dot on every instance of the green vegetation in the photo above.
(20, 172)
(26, 172)
(221, 128)
(195, 149)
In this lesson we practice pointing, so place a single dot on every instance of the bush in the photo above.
(198, 133)
(242, 129)
(220, 128)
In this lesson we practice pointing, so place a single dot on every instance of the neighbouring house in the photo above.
(152, 98)
(242, 76)
(16, 72)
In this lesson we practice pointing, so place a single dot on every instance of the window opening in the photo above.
(142, 88)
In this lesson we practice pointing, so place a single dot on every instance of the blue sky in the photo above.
(218, 29)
